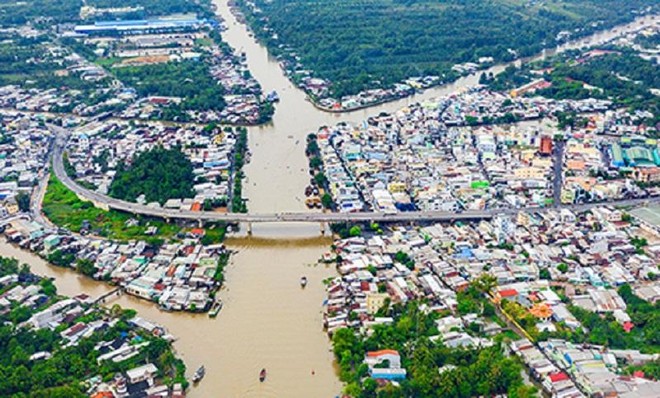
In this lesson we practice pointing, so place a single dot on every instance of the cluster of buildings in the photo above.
(76, 85)
(96, 149)
(78, 318)
(457, 154)
(568, 370)
(365, 98)
(134, 43)
(611, 157)
(587, 256)
(543, 262)
(24, 149)
(178, 276)
(168, 39)
(142, 49)
(120, 27)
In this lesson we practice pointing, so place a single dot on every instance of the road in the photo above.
(557, 168)
(201, 216)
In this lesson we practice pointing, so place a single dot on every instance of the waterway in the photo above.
(268, 320)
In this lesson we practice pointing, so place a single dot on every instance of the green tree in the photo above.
(86, 267)
(562, 267)
(544, 273)
(355, 231)
(326, 201)
(23, 201)
(159, 174)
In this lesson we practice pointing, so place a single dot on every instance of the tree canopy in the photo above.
(361, 44)
(159, 174)
(477, 372)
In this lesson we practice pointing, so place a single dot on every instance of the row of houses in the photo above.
(178, 276)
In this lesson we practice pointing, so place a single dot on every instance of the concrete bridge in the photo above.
(201, 217)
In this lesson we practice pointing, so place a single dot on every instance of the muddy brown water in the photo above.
(267, 321)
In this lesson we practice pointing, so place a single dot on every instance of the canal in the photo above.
(267, 321)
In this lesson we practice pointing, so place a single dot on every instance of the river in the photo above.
(268, 320)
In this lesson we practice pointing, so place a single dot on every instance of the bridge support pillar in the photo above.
(249, 228)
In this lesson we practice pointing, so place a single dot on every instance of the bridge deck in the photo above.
(312, 217)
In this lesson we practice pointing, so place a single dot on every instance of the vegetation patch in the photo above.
(159, 174)
(238, 204)
(64, 209)
(64, 373)
(189, 80)
(361, 44)
(466, 372)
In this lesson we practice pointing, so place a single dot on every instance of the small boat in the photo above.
(313, 202)
(303, 282)
(215, 309)
(199, 374)
(273, 97)
(262, 375)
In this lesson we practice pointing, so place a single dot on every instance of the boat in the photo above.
(262, 375)
(303, 282)
(215, 309)
(273, 97)
(199, 374)
(313, 202)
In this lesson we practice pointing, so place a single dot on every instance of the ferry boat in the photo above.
(199, 374)
(303, 282)
(262, 375)
(215, 309)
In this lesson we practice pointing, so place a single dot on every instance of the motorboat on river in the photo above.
(199, 374)
(215, 309)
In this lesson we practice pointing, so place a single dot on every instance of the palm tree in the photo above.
(485, 283)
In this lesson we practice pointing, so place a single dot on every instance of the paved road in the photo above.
(557, 172)
(99, 199)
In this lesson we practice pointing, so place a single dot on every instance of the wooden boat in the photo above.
(199, 374)
(262, 375)
(303, 282)
(215, 309)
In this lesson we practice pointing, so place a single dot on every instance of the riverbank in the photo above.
(267, 320)
(56, 332)
(384, 96)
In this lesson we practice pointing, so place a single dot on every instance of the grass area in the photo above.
(214, 234)
(66, 210)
